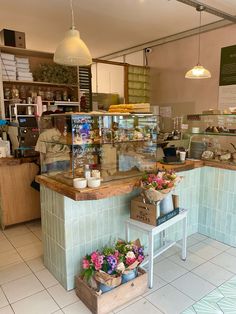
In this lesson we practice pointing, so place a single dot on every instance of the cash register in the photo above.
(24, 135)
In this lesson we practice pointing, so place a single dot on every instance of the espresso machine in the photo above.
(24, 134)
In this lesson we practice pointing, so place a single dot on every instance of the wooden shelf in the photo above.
(41, 83)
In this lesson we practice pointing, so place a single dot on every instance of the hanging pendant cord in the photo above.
(72, 14)
(199, 38)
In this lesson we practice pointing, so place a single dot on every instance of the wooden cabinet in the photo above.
(19, 202)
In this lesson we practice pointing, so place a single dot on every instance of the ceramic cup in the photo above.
(79, 183)
(94, 182)
(182, 156)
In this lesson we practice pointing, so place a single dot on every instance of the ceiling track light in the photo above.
(198, 72)
(209, 9)
(72, 51)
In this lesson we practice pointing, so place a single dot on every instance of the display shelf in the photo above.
(84, 139)
(213, 114)
(212, 133)
(98, 143)
(41, 83)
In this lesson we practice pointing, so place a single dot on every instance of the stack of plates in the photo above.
(196, 149)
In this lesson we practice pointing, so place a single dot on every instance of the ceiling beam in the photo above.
(209, 9)
(165, 40)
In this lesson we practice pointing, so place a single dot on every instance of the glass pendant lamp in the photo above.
(198, 72)
(72, 50)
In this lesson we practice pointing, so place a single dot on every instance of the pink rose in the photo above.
(140, 258)
(85, 264)
(94, 256)
(130, 261)
(97, 265)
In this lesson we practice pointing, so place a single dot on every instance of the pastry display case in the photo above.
(114, 146)
(212, 136)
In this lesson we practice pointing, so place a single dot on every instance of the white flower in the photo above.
(128, 246)
(130, 254)
(120, 267)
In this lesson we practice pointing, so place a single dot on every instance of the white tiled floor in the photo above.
(27, 287)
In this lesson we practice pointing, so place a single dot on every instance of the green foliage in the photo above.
(87, 273)
(55, 73)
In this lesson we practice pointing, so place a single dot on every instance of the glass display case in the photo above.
(213, 136)
(117, 145)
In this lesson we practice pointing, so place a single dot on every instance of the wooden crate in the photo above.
(150, 213)
(107, 302)
(144, 212)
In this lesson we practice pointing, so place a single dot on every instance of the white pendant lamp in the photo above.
(72, 50)
(198, 72)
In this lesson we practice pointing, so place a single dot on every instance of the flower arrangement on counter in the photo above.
(156, 186)
(109, 266)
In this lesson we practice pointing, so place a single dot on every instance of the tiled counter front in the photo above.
(73, 228)
(217, 204)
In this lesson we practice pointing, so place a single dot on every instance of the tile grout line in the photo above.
(154, 304)
(205, 261)
(210, 293)
(56, 301)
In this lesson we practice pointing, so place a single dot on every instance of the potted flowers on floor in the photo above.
(106, 269)
(131, 255)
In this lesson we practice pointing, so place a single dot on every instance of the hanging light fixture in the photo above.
(72, 50)
(198, 72)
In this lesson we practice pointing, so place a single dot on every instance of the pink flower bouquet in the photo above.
(107, 266)
(155, 187)
(131, 255)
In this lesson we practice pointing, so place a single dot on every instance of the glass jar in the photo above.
(58, 95)
(49, 94)
(14, 92)
(22, 92)
(65, 95)
(7, 93)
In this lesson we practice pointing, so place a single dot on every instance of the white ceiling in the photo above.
(106, 26)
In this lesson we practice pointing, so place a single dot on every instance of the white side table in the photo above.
(151, 231)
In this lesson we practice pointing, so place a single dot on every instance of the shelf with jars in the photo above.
(52, 82)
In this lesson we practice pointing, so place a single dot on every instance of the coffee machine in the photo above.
(24, 135)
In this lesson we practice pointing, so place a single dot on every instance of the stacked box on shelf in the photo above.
(23, 69)
(8, 65)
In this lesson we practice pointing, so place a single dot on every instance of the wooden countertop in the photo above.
(11, 161)
(107, 189)
(122, 186)
(220, 164)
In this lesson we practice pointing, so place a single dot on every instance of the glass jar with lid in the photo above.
(14, 92)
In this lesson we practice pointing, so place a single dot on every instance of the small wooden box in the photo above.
(107, 302)
(144, 212)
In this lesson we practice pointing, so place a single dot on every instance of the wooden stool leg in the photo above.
(150, 259)
(184, 239)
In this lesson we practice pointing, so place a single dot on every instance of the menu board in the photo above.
(227, 83)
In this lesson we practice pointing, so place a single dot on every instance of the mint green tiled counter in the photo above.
(217, 204)
(73, 228)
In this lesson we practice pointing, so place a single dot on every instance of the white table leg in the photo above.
(150, 259)
(184, 239)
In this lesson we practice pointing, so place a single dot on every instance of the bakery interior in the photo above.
(150, 88)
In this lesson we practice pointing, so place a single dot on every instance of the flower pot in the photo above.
(104, 288)
(166, 205)
(129, 275)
